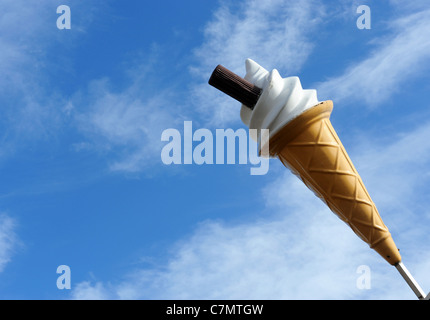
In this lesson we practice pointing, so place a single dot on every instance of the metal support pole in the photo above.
(411, 282)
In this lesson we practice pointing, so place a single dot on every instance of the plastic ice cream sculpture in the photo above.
(303, 138)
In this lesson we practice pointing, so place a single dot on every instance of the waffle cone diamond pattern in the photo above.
(314, 152)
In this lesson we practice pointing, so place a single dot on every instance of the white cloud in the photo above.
(86, 291)
(403, 163)
(299, 249)
(30, 102)
(397, 59)
(8, 240)
(284, 258)
(22, 58)
(275, 33)
(409, 6)
(125, 124)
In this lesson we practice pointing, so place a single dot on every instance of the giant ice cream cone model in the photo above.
(303, 138)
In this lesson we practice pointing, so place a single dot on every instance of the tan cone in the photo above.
(310, 147)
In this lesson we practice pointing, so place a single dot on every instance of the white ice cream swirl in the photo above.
(282, 99)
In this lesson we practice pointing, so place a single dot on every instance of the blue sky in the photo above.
(83, 183)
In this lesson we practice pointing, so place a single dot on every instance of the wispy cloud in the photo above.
(397, 174)
(397, 59)
(8, 239)
(24, 35)
(86, 291)
(299, 250)
(282, 258)
(127, 121)
(125, 125)
(31, 102)
(407, 7)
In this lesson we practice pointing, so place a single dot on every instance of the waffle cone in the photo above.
(310, 147)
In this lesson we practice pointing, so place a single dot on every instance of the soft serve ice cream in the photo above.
(281, 100)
